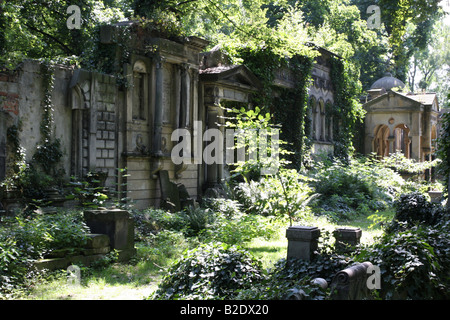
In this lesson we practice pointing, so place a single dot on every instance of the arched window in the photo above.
(322, 120)
(314, 118)
(328, 121)
(381, 142)
(140, 90)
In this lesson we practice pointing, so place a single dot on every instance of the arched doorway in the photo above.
(381, 142)
(401, 140)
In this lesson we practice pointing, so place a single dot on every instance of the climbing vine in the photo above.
(290, 110)
(443, 149)
(287, 105)
(48, 151)
(18, 164)
(347, 112)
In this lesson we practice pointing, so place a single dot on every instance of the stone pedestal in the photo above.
(302, 242)
(346, 238)
(435, 196)
(117, 225)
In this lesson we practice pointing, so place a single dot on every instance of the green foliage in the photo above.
(90, 192)
(24, 239)
(414, 253)
(44, 33)
(398, 162)
(285, 195)
(361, 187)
(290, 111)
(443, 149)
(19, 164)
(347, 110)
(43, 233)
(209, 272)
(292, 279)
(14, 265)
(48, 155)
(252, 130)
(219, 220)
(414, 209)
(48, 152)
(414, 263)
(232, 226)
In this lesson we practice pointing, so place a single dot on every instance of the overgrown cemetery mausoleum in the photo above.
(125, 118)
(400, 122)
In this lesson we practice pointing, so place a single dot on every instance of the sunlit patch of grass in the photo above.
(141, 276)
(268, 251)
(107, 284)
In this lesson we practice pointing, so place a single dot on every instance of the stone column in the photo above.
(347, 238)
(159, 109)
(186, 96)
(212, 169)
(302, 242)
(391, 145)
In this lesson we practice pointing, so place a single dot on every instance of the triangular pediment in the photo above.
(392, 101)
(235, 75)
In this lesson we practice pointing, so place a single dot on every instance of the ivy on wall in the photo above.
(48, 151)
(443, 150)
(31, 179)
(291, 107)
(287, 106)
(347, 112)
(290, 110)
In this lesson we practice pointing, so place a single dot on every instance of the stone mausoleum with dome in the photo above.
(400, 122)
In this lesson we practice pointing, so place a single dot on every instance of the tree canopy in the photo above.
(284, 25)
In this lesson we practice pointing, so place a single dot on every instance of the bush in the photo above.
(42, 234)
(414, 208)
(285, 195)
(414, 253)
(150, 221)
(218, 220)
(210, 271)
(232, 226)
(26, 239)
(360, 187)
(414, 263)
(14, 266)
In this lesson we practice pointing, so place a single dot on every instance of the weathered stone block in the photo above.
(302, 242)
(114, 223)
(346, 238)
(110, 163)
(110, 144)
(97, 241)
(94, 251)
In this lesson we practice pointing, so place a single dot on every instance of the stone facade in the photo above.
(104, 125)
(408, 123)
(321, 100)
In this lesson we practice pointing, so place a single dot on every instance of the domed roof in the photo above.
(387, 82)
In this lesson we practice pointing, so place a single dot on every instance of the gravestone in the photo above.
(302, 242)
(351, 283)
(169, 192)
(347, 238)
(174, 196)
(117, 225)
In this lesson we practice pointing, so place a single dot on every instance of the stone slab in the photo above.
(302, 233)
(97, 241)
